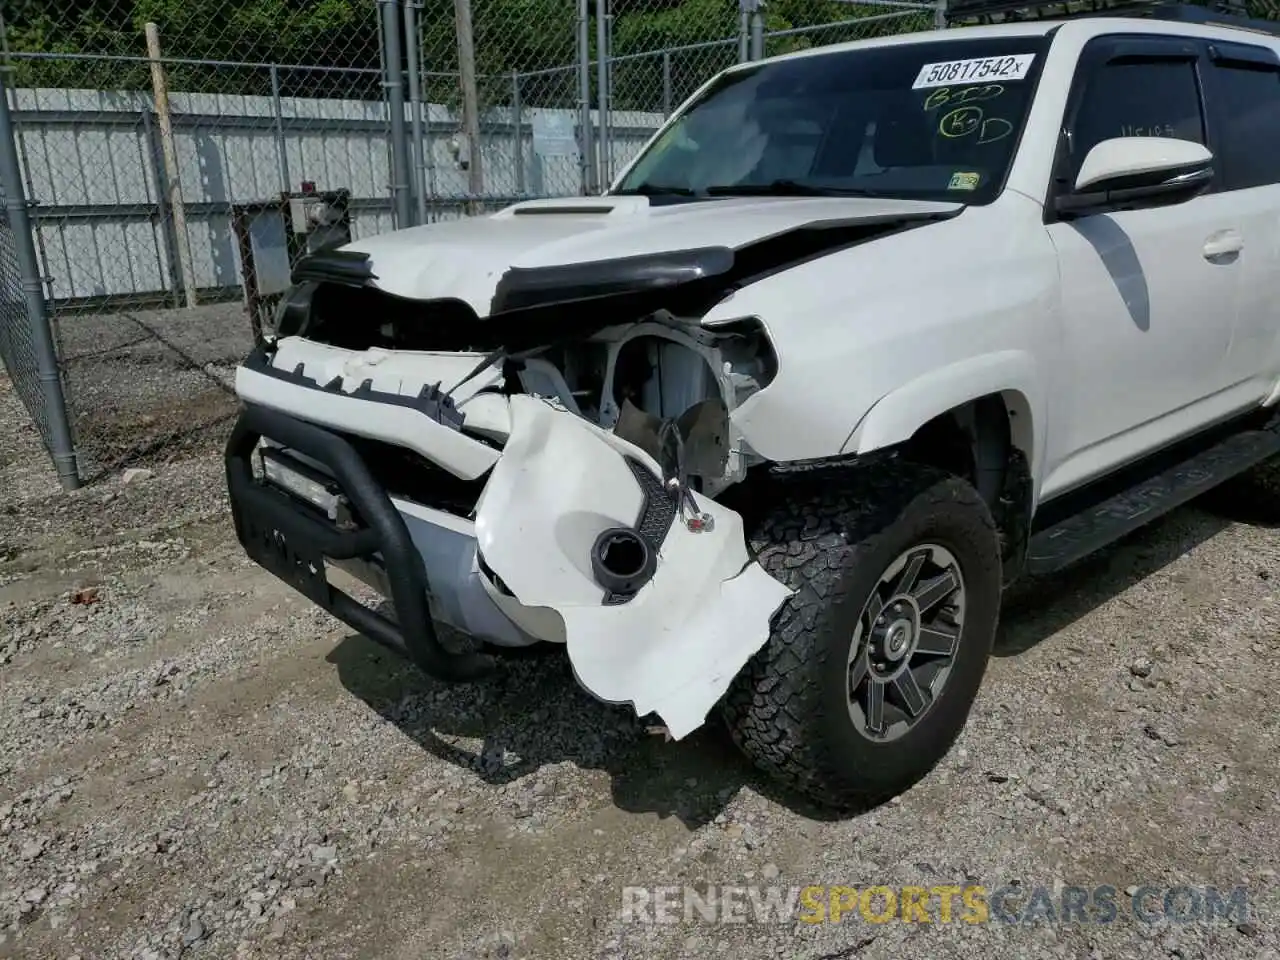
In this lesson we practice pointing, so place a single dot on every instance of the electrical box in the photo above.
(273, 235)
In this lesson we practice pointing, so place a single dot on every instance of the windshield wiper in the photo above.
(786, 188)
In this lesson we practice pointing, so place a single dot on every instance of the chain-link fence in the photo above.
(159, 143)
(26, 336)
(143, 131)
(17, 350)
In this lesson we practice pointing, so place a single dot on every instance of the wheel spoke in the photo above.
(938, 640)
(857, 673)
(907, 582)
(874, 605)
(875, 706)
(935, 591)
(913, 698)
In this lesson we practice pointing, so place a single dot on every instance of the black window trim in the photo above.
(1256, 56)
(1108, 48)
(1230, 55)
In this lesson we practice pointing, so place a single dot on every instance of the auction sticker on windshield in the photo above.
(972, 71)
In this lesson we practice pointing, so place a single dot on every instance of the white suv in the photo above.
(862, 333)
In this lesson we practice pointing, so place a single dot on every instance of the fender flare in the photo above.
(896, 416)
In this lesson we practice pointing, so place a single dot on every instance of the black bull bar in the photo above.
(291, 541)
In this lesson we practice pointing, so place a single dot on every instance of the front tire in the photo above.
(873, 664)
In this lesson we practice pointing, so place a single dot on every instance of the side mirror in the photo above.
(1129, 171)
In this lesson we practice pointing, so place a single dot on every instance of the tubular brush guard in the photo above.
(291, 541)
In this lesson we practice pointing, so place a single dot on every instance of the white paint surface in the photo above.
(675, 646)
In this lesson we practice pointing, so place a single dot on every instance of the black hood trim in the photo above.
(524, 287)
(349, 267)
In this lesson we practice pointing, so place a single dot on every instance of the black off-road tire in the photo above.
(830, 536)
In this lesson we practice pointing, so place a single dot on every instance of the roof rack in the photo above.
(1225, 13)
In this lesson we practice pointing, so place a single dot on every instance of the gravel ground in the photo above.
(147, 386)
(194, 763)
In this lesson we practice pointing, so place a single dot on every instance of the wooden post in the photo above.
(470, 99)
(161, 89)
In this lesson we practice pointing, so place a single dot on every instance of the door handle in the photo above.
(1223, 243)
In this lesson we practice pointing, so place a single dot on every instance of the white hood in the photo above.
(465, 259)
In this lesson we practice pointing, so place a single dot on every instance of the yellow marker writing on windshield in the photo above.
(967, 121)
(993, 129)
(949, 95)
(960, 122)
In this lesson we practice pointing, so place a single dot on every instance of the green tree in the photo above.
(534, 37)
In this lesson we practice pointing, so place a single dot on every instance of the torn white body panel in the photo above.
(398, 373)
(674, 646)
(676, 654)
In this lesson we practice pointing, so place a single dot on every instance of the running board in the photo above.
(1093, 528)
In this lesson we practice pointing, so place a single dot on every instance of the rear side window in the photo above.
(1247, 104)
(1138, 98)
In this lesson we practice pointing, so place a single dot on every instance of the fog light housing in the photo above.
(621, 561)
(296, 480)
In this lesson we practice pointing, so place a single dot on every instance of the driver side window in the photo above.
(1138, 98)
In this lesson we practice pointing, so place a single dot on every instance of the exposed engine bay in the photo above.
(665, 385)
(662, 381)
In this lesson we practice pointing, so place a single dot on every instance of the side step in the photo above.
(1100, 524)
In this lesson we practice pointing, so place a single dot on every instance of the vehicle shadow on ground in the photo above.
(533, 712)
(1036, 609)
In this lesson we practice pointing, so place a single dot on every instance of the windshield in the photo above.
(928, 121)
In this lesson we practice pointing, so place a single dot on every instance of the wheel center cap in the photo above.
(897, 639)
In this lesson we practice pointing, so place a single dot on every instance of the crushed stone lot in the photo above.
(196, 763)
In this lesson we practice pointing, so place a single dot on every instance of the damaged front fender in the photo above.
(673, 646)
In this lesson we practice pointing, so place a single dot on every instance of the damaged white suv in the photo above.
(862, 334)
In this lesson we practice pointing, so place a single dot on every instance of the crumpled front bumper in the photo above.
(671, 647)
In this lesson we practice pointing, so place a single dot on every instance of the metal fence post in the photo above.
(757, 30)
(394, 85)
(744, 29)
(940, 14)
(419, 189)
(517, 128)
(602, 90)
(427, 161)
(61, 447)
(666, 83)
(382, 82)
(587, 159)
(608, 88)
(281, 153)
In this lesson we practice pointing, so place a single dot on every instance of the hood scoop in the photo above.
(575, 207)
